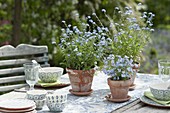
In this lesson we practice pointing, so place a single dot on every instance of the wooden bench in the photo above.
(12, 60)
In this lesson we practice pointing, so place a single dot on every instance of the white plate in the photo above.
(30, 110)
(16, 104)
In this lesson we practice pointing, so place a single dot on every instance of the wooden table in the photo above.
(96, 102)
(139, 107)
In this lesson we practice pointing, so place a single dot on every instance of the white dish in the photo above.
(29, 110)
(17, 104)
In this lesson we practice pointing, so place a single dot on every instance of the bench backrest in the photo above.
(12, 60)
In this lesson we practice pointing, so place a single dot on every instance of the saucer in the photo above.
(80, 93)
(132, 87)
(30, 110)
(17, 104)
(51, 85)
(152, 103)
(109, 98)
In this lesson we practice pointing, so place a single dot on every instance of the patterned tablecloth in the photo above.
(96, 102)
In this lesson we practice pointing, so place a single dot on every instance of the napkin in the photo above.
(48, 84)
(150, 96)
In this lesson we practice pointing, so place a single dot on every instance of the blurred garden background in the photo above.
(39, 22)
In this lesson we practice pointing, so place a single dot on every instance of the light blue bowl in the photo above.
(56, 107)
(36, 94)
(160, 91)
(50, 74)
(56, 102)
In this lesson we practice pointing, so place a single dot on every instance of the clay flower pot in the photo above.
(133, 78)
(119, 89)
(81, 81)
(135, 67)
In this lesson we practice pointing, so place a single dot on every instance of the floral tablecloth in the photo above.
(96, 102)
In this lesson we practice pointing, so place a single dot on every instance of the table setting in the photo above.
(42, 83)
(47, 77)
(49, 98)
(159, 93)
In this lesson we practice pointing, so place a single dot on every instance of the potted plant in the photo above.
(83, 48)
(120, 71)
(128, 33)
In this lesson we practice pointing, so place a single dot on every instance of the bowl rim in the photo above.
(37, 92)
(157, 86)
(55, 94)
(51, 69)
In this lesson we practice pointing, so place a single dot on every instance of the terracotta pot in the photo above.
(119, 89)
(81, 81)
(133, 78)
(136, 69)
(136, 66)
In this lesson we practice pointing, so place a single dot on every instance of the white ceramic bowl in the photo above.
(160, 91)
(55, 107)
(50, 74)
(56, 102)
(36, 94)
(39, 104)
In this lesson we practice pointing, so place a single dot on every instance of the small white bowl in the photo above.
(56, 102)
(36, 94)
(50, 74)
(56, 107)
(160, 91)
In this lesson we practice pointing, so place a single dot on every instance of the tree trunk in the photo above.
(17, 22)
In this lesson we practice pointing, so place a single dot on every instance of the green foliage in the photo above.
(158, 49)
(6, 7)
(5, 20)
(46, 19)
(42, 23)
(5, 32)
(161, 8)
(128, 33)
(82, 46)
(41, 19)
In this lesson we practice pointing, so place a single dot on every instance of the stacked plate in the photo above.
(17, 106)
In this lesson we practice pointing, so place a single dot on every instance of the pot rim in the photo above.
(119, 83)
